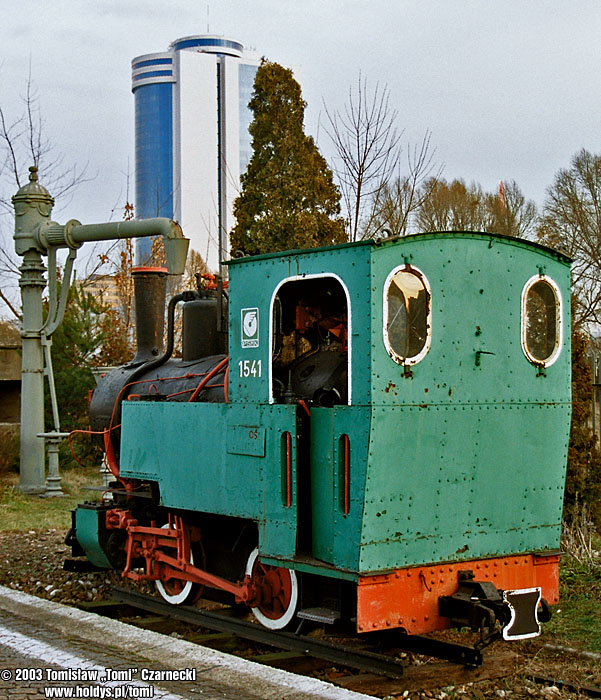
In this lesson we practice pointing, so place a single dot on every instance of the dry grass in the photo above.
(21, 513)
(577, 619)
(578, 538)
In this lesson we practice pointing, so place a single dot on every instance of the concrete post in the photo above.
(32, 284)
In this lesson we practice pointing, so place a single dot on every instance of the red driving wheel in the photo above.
(277, 588)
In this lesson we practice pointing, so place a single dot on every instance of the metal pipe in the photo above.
(56, 309)
(80, 233)
(36, 235)
(74, 234)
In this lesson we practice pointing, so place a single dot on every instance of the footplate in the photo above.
(523, 606)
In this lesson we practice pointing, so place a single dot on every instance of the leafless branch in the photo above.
(571, 222)
(23, 144)
(397, 202)
(10, 136)
(13, 310)
(367, 144)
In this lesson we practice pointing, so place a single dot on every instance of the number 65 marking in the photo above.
(249, 368)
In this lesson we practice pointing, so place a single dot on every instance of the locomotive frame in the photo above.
(389, 448)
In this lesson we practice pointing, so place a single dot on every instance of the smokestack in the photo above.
(150, 284)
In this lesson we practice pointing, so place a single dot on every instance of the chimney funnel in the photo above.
(150, 285)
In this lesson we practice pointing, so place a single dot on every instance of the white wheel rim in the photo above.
(282, 621)
(175, 598)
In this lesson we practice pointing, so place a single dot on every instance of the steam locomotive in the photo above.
(370, 434)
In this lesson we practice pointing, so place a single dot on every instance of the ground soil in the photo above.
(33, 562)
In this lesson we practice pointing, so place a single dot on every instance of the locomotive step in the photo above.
(323, 615)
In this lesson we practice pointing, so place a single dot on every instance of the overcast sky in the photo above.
(508, 89)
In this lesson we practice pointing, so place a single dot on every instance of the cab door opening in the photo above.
(309, 366)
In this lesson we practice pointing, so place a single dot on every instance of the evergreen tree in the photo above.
(74, 345)
(288, 198)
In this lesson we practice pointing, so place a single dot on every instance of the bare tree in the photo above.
(571, 222)
(397, 201)
(509, 212)
(452, 206)
(23, 144)
(367, 144)
(455, 206)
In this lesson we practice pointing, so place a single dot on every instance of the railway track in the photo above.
(346, 663)
(359, 659)
(580, 688)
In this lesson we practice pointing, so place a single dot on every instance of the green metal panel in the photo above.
(246, 440)
(476, 282)
(216, 458)
(86, 527)
(467, 454)
(253, 285)
(448, 483)
(336, 535)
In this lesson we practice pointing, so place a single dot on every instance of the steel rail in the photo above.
(334, 653)
(591, 690)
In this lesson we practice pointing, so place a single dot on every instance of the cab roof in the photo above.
(380, 242)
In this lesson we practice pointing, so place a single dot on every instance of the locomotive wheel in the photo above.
(174, 590)
(278, 587)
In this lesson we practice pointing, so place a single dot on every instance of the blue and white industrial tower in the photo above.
(192, 140)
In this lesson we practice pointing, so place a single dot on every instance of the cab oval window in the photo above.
(541, 321)
(407, 309)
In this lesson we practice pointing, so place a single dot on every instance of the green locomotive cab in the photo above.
(394, 433)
